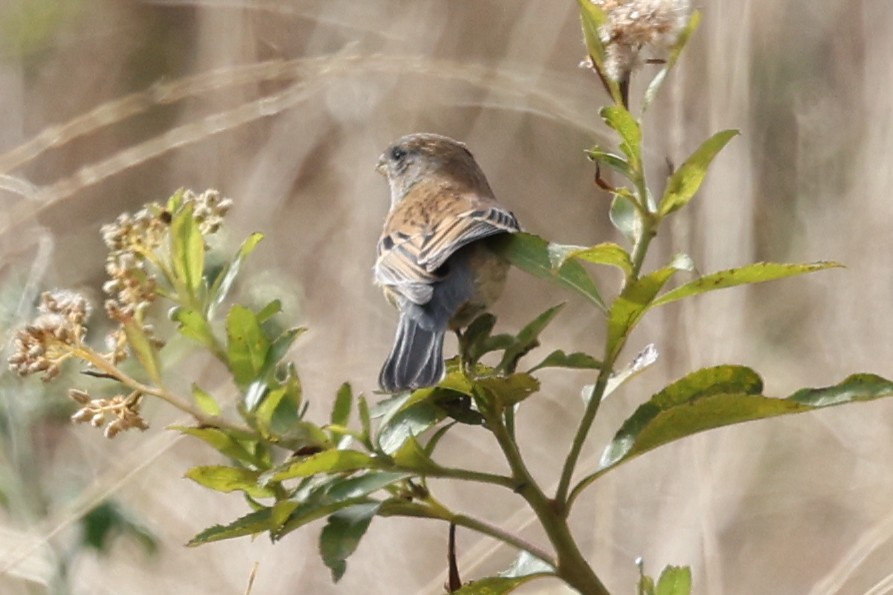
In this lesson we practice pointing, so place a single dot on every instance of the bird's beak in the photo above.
(382, 166)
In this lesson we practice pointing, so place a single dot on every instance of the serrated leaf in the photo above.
(343, 405)
(250, 524)
(687, 32)
(228, 479)
(674, 580)
(686, 180)
(247, 345)
(224, 281)
(606, 253)
(721, 396)
(341, 536)
(187, 250)
(205, 401)
(759, 272)
(330, 461)
(220, 441)
(559, 359)
(530, 253)
(193, 325)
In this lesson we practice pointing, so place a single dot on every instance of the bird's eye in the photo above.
(397, 153)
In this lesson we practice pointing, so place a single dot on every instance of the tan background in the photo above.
(799, 505)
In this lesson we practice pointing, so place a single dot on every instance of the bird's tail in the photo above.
(416, 360)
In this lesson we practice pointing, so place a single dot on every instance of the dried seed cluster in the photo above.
(636, 24)
(53, 336)
(118, 414)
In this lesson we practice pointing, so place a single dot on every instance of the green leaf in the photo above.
(690, 27)
(606, 253)
(528, 338)
(759, 272)
(686, 180)
(187, 250)
(615, 162)
(250, 524)
(643, 359)
(411, 456)
(205, 401)
(674, 580)
(626, 125)
(143, 348)
(593, 18)
(269, 311)
(369, 482)
(247, 345)
(341, 536)
(560, 359)
(229, 479)
(632, 303)
(220, 441)
(330, 461)
(530, 253)
(724, 395)
(415, 415)
(526, 564)
(343, 405)
(193, 325)
(626, 217)
(510, 390)
(365, 420)
(279, 410)
(224, 281)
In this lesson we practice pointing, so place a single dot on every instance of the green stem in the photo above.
(595, 398)
(572, 566)
(434, 510)
(640, 249)
(100, 363)
(467, 475)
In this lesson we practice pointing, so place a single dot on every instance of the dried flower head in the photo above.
(117, 414)
(209, 209)
(53, 336)
(636, 24)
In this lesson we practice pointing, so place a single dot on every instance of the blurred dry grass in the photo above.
(285, 106)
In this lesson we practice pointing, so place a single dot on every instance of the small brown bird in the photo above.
(433, 257)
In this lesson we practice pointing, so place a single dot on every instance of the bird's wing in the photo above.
(423, 231)
(398, 267)
(460, 229)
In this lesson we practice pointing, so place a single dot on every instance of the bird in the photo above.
(434, 259)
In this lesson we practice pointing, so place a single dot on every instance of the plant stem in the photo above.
(88, 354)
(572, 566)
(640, 249)
(595, 398)
(431, 509)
